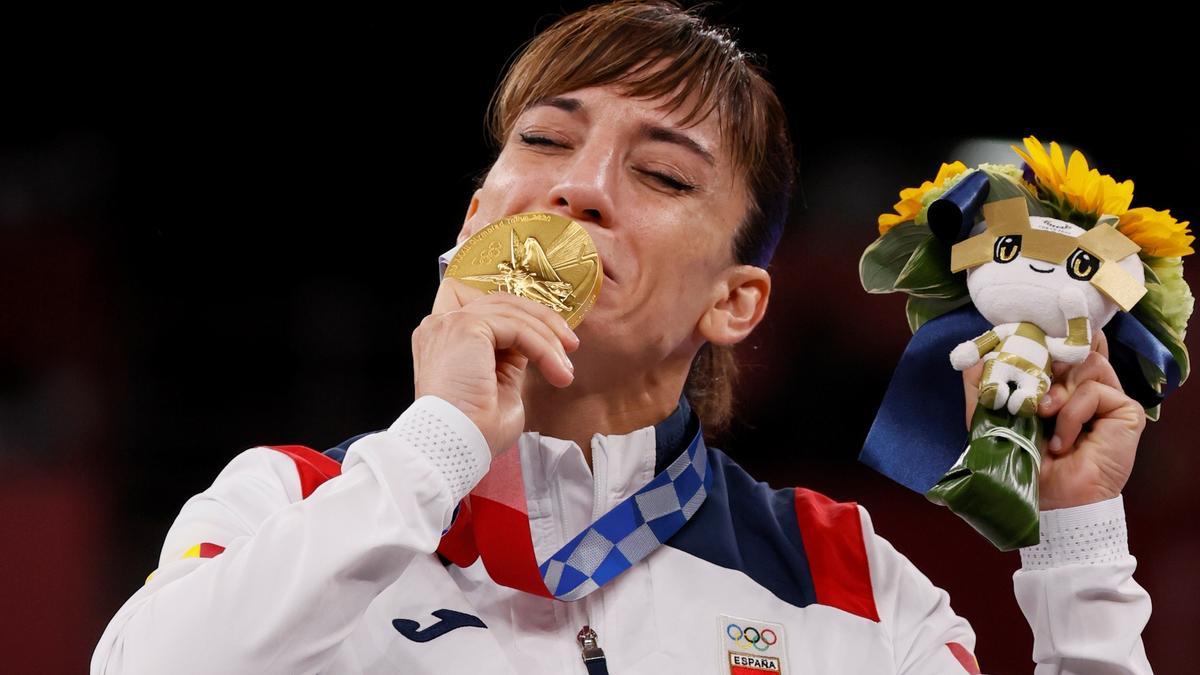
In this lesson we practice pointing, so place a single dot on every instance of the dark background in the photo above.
(220, 233)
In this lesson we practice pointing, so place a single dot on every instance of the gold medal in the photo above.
(542, 256)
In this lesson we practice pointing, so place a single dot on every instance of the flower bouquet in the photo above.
(1016, 266)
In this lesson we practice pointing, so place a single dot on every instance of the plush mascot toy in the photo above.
(1017, 267)
(1038, 281)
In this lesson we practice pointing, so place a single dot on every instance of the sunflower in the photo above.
(1157, 232)
(910, 198)
(1072, 185)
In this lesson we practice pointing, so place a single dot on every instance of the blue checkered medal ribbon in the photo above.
(631, 529)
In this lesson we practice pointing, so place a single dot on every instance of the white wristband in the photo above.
(1091, 534)
(448, 439)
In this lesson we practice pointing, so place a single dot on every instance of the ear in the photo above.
(739, 303)
(465, 232)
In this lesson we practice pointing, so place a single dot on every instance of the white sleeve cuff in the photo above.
(448, 439)
(1091, 534)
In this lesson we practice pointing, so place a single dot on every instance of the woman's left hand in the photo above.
(1095, 440)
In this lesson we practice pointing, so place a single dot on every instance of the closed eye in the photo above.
(670, 182)
(529, 139)
(673, 183)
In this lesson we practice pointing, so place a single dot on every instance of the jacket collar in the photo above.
(673, 434)
(622, 463)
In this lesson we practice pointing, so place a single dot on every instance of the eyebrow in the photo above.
(647, 130)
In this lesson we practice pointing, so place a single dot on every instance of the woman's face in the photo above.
(661, 203)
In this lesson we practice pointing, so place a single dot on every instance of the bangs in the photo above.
(697, 62)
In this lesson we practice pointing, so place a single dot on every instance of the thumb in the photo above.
(971, 377)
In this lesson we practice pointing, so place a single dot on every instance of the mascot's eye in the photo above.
(1082, 265)
(1007, 248)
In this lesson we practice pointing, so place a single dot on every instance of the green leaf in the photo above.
(1150, 372)
(1151, 310)
(927, 273)
(1153, 413)
(1168, 292)
(1155, 378)
(920, 310)
(1153, 319)
(1150, 274)
(882, 261)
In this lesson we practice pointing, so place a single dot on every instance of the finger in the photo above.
(974, 373)
(532, 323)
(521, 333)
(548, 316)
(1100, 343)
(450, 296)
(971, 377)
(453, 294)
(510, 365)
(1095, 367)
(1058, 369)
(1091, 399)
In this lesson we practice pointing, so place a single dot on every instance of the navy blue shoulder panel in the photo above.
(748, 526)
(338, 452)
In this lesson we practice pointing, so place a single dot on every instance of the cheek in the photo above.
(491, 204)
(508, 182)
(675, 292)
(673, 262)
(503, 176)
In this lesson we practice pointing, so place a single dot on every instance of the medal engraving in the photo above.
(545, 257)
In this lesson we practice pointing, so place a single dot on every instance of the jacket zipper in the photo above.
(593, 656)
(599, 488)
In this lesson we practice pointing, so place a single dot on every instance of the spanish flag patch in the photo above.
(201, 550)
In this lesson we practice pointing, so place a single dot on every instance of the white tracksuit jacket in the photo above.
(285, 565)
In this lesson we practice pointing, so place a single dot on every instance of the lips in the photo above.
(607, 275)
(591, 228)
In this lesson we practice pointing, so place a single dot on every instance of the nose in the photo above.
(583, 190)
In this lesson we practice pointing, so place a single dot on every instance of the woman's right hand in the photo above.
(473, 348)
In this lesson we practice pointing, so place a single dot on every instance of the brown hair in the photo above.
(614, 42)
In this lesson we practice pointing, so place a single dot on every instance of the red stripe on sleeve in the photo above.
(837, 555)
(966, 658)
(458, 544)
(208, 550)
(314, 468)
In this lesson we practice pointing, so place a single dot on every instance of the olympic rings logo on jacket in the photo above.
(760, 639)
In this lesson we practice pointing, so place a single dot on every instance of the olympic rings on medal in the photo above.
(751, 637)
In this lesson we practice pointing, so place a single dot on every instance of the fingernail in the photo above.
(567, 362)
(1046, 400)
(1055, 443)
